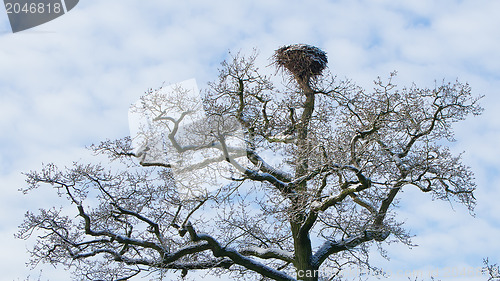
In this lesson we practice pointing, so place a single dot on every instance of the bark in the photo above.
(302, 242)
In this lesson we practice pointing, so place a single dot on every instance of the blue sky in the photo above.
(69, 83)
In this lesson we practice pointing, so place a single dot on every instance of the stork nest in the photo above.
(303, 61)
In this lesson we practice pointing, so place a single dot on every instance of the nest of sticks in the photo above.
(303, 61)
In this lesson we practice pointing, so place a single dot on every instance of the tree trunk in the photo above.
(302, 241)
(303, 254)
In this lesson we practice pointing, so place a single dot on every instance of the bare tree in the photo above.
(314, 186)
(492, 270)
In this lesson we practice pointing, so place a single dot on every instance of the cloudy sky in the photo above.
(68, 83)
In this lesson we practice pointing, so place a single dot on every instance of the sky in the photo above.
(69, 83)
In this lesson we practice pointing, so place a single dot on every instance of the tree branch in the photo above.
(155, 227)
(385, 205)
(116, 256)
(266, 168)
(331, 247)
(332, 200)
(268, 254)
(118, 238)
(236, 257)
(284, 187)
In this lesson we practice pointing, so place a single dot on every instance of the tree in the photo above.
(492, 270)
(314, 186)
